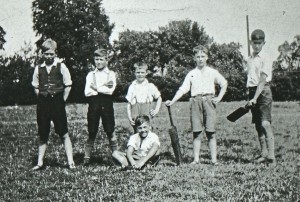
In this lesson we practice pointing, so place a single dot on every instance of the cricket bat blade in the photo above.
(238, 113)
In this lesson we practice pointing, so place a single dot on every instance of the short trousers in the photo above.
(51, 109)
(101, 106)
(263, 107)
(140, 109)
(203, 113)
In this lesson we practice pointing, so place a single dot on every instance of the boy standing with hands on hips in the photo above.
(52, 84)
(259, 76)
(201, 82)
(141, 94)
(100, 85)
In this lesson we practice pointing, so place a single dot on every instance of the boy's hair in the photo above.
(258, 35)
(49, 44)
(139, 65)
(102, 52)
(200, 48)
(141, 119)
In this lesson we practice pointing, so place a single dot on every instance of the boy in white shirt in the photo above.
(259, 76)
(143, 147)
(100, 85)
(201, 82)
(141, 94)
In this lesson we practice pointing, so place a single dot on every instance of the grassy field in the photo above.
(237, 178)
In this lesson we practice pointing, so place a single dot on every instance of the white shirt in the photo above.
(144, 92)
(101, 78)
(143, 146)
(255, 66)
(63, 69)
(202, 81)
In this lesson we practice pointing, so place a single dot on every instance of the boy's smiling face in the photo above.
(100, 62)
(140, 74)
(257, 46)
(143, 129)
(200, 58)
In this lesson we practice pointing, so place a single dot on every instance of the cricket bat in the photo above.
(238, 113)
(174, 139)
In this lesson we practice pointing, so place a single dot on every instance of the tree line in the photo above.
(81, 26)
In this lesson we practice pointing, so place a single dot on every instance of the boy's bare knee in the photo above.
(65, 136)
(266, 124)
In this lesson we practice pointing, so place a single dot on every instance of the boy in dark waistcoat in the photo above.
(52, 84)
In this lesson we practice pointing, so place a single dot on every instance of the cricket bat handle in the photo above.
(170, 115)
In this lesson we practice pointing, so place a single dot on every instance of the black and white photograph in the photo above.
(135, 100)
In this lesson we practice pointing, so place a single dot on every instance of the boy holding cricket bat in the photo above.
(201, 82)
(259, 76)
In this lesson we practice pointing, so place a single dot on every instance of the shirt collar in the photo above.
(203, 69)
(105, 70)
(144, 82)
(56, 60)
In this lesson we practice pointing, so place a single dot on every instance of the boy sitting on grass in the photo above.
(143, 147)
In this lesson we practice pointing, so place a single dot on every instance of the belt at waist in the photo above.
(266, 84)
(203, 95)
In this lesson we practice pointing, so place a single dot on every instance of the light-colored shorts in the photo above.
(140, 109)
(203, 113)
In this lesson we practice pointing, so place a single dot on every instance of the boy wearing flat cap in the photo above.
(99, 87)
(201, 82)
(52, 84)
(259, 76)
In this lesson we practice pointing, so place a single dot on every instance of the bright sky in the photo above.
(224, 20)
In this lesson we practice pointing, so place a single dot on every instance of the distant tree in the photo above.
(227, 59)
(78, 26)
(2, 40)
(289, 57)
(171, 48)
(287, 71)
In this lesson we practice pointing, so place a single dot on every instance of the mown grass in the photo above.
(236, 179)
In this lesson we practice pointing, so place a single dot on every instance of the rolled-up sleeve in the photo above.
(132, 142)
(220, 80)
(154, 91)
(66, 75)
(186, 85)
(129, 95)
(35, 78)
